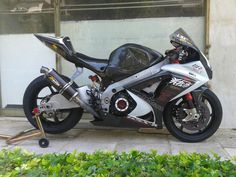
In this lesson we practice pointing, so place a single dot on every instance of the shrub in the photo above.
(18, 162)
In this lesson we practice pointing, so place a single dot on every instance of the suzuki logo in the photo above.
(180, 82)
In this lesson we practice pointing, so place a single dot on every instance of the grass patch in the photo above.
(18, 162)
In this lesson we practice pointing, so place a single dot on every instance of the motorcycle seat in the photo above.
(95, 64)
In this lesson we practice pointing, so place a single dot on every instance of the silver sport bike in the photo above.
(135, 83)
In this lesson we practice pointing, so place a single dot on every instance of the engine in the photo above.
(122, 104)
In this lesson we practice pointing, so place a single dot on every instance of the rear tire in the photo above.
(211, 128)
(30, 102)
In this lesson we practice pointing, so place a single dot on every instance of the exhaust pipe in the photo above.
(65, 88)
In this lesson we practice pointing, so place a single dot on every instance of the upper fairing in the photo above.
(182, 38)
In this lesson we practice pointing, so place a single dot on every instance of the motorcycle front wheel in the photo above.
(210, 111)
(60, 121)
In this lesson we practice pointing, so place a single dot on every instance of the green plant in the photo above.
(18, 162)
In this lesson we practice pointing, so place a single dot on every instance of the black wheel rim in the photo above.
(205, 124)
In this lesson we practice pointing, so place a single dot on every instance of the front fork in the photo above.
(192, 112)
(188, 97)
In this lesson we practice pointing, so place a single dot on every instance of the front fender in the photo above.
(197, 93)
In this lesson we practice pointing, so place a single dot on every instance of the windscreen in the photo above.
(181, 37)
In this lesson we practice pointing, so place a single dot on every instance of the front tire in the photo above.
(30, 101)
(200, 135)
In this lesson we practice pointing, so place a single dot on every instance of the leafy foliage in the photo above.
(102, 164)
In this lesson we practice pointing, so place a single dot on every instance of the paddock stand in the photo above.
(29, 134)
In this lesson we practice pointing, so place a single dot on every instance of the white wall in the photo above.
(98, 38)
(222, 56)
(21, 57)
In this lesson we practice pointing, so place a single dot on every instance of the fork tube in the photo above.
(188, 97)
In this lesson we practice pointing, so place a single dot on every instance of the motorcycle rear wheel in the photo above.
(69, 118)
(212, 123)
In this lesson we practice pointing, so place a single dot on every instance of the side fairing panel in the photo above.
(186, 76)
(127, 82)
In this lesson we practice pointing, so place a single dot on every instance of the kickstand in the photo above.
(29, 134)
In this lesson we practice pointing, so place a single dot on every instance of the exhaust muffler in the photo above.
(65, 88)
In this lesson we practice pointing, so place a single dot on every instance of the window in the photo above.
(36, 16)
(26, 16)
(128, 9)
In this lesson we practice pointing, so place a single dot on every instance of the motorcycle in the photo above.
(136, 83)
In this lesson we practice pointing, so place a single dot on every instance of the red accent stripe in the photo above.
(176, 61)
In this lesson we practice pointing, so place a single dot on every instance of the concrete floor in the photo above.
(88, 138)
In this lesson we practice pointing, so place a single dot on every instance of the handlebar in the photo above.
(176, 55)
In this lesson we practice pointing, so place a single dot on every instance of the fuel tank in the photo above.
(129, 59)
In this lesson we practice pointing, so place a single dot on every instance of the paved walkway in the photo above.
(88, 138)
